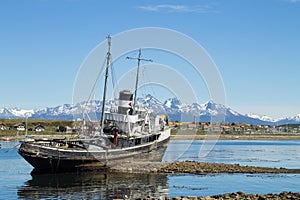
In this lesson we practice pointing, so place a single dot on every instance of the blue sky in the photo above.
(255, 45)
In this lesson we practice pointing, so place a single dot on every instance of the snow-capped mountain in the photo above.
(65, 111)
(261, 117)
(15, 113)
(176, 110)
(289, 120)
(295, 118)
(173, 103)
(153, 103)
(5, 113)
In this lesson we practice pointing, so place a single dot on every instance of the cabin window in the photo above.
(137, 141)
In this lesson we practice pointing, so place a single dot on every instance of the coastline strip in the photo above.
(179, 137)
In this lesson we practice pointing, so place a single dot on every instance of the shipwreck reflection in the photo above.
(94, 186)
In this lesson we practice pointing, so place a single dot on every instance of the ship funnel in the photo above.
(125, 101)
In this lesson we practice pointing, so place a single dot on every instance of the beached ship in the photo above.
(128, 133)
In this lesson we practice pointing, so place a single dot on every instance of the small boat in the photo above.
(127, 133)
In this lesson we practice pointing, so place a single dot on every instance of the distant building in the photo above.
(66, 129)
(61, 129)
(39, 128)
(20, 127)
(69, 129)
(226, 128)
(192, 126)
(239, 128)
(206, 127)
(3, 127)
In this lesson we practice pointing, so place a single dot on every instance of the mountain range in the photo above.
(176, 111)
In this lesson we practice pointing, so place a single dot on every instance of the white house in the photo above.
(20, 127)
(39, 128)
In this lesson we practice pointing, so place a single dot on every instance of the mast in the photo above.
(105, 82)
(137, 73)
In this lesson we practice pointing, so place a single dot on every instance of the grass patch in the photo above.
(50, 126)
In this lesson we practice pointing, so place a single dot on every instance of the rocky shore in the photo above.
(205, 167)
(237, 196)
(190, 167)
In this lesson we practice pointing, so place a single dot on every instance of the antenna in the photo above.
(137, 73)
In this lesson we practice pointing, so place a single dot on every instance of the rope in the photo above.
(146, 77)
(96, 82)
(93, 91)
(113, 76)
(12, 148)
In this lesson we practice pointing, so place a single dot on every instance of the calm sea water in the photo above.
(264, 153)
(17, 183)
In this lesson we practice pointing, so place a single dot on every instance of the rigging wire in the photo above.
(148, 80)
(97, 80)
(93, 91)
(12, 148)
(113, 78)
(143, 78)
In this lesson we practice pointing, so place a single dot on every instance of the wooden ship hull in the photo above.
(52, 156)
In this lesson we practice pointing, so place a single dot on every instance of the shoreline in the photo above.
(204, 168)
(235, 137)
(16, 138)
(185, 167)
(178, 137)
(234, 196)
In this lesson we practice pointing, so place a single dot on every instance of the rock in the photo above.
(176, 198)
(192, 197)
(233, 195)
(209, 198)
(240, 193)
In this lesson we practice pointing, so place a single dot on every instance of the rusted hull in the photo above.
(54, 160)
